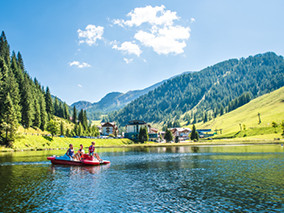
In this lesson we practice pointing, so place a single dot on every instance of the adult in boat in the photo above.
(92, 151)
(80, 152)
(70, 151)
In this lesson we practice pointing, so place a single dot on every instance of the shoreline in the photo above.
(207, 143)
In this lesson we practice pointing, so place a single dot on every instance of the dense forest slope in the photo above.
(258, 113)
(112, 101)
(210, 89)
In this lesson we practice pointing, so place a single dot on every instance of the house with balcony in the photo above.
(109, 128)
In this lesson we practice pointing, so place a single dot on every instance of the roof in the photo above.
(108, 124)
(135, 122)
(181, 129)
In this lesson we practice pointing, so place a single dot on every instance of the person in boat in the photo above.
(70, 151)
(80, 153)
(92, 151)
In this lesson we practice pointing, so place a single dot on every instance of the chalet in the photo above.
(109, 128)
(181, 134)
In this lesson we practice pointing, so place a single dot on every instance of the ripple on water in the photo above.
(148, 182)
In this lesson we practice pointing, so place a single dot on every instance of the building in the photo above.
(109, 128)
(205, 133)
(181, 134)
(133, 129)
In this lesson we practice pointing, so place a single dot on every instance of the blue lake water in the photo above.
(173, 179)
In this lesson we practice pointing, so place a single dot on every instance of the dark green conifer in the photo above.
(49, 104)
(8, 121)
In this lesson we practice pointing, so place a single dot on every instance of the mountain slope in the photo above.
(112, 101)
(211, 88)
(270, 106)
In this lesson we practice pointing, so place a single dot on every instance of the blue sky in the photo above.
(84, 49)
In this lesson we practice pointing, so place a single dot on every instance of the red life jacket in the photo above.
(91, 148)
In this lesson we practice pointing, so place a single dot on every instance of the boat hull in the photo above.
(83, 162)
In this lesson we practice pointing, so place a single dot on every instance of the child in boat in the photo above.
(80, 152)
(70, 151)
(92, 151)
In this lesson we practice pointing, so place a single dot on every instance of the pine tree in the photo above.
(81, 116)
(168, 135)
(56, 107)
(205, 119)
(37, 114)
(85, 120)
(43, 114)
(20, 62)
(8, 122)
(13, 88)
(27, 104)
(49, 104)
(62, 128)
(80, 130)
(66, 112)
(143, 135)
(194, 134)
(74, 117)
(4, 49)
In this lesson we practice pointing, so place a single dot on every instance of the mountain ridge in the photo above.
(208, 90)
(112, 101)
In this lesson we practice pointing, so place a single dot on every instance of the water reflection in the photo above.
(159, 179)
(74, 170)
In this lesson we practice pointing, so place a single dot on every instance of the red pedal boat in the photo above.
(85, 161)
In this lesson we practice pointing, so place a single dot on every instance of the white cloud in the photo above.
(169, 39)
(160, 33)
(128, 60)
(79, 85)
(192, 20)
(79, 65)
(152, 15)
(91, 34)
(128, 47)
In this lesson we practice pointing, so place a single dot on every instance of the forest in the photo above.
(24, 101)
(212, 91)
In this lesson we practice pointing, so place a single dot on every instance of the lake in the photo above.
(243, 178)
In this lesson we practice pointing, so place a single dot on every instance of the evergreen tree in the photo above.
(48, 103)
(205, 119)
(80, 129)
(194, 134)
(37, 114)
(168, 135)
(26, 102)
(4, 49)
(187, 118)
(85, 120)
(43, 114)
(75, 130)
(8, 121)
(74, 117)
(62, 128)
(81, 116)
(20, 62)
(13, 87)
(56, 107)
(66, 111)
(143, 135)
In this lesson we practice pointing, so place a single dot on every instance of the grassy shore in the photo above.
(28, 142)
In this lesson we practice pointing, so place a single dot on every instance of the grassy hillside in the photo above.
(271, 108)
(210, 89)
